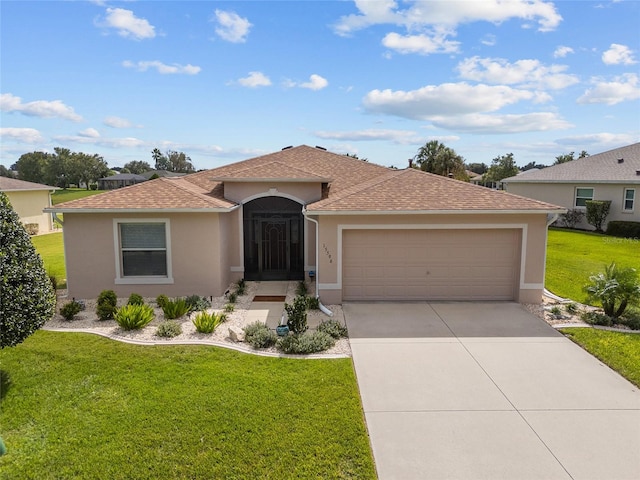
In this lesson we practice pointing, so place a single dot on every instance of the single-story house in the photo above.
(29, 200)
(120, 180)
(613, 175)
(363, 231)
(160, 173)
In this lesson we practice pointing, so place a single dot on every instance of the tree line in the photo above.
(63, 167)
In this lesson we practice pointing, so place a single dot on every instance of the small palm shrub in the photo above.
(233, 296)
(135, 299)
(306, 343)
(229, 307)
(206, 322)
(258, 335)
(615, 289)
(297, 314)
(106, 305)
(333, 327)
(301, 289)
(175, 308)
(197, 303)
(161, 300)
(169, 329)
(134, 317)
(242, 287)
(69, 310)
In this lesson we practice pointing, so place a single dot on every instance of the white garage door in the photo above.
(430, 264)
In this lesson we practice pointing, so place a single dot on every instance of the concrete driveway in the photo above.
(487, 391)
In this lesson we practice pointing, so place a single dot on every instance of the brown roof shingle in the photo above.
(13, 184)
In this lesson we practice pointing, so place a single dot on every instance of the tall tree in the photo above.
(172, 161)
(57, 169)
(479, 168)
(435, 157)
(31, 166)
(5, 172)
(568, 157)
(27, 299)
(137, 167)
(86, 169)
(531, 166)
(501, 167)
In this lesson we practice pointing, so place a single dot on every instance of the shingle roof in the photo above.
(412, 190)
(602, 168)
(125, 176)
(13, 184)
(355, 186)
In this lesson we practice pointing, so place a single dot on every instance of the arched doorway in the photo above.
(273, 239)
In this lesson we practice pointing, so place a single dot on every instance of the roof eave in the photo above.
(268, 180)
(619, 181)
(437, 212)
(142, 210)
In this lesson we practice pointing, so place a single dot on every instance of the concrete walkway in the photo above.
(488, 391)
(268, 312)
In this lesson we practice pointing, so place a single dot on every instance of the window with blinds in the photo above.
(143, 248)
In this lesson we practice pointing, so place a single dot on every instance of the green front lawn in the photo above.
(621, 351)
(60, 196)
(51, 249)
(81, 406)
(572, 256)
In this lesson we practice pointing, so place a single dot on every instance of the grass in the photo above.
(81, 406)
(572, 256)
(51, 249)
(621, 351)
(60, 196)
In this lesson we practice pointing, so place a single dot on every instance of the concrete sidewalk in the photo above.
(488, 391)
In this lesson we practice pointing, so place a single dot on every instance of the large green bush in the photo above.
(597, 211)
(258, 335)
(615, 288)
(618, 228)
(297, 314)
(106, 305)
(27, 298)
(306, 343)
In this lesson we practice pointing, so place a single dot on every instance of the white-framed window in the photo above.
(629, 200)
(582, 195)
(143, 253)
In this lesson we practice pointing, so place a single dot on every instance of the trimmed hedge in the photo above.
(618, 228)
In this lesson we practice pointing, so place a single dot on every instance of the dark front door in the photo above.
(273, 239)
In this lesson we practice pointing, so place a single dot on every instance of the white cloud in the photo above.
(621, 89)
(421, 13)
(527, 72)
(500, 124)
(402, 137)
(254, 80)
(127, 24)
(126, 142)
(562, 51)
(231, 26)
(444, 99)
(421, 44)
(38, 108)
(316, 82)
(489, 40)
(618, 55)
(117, 122)
(89, 133)
(603, 140)
(21, 135)
(163, 68)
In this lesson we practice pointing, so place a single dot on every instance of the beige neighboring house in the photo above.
(363, 231)
(29, 200)
(613, 175)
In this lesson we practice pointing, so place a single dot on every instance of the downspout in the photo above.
(323, 309)
(550, 219)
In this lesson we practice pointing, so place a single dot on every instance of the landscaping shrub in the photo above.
(107, 303)
(27, 299)
(242, 287)
(573, 217)
(229, 307)
(333, 327)
(597, 211)
(615, 289)
(631, 319)
(169, 329)
(70, 309)
(54, 282)
(206, 322)
(313, 303)
(32, 228)
(301, 289)
(258, 335)
(617, 228)
(175, 308)
(596, 318)
(135, 299)
(306, 343)
(233, 296)
(134, 317)
(297, 314)
(197, 303)
(161, 300)
(571, 308)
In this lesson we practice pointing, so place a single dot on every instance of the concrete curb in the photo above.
(237, 348)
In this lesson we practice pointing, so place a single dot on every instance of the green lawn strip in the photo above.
(621, 351)
(572, 256)
(51, 249)
(60, 196)
(81, 406)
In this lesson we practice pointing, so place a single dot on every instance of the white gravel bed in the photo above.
(88, 321)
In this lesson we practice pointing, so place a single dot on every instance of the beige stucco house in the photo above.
(29, 200)
(613, 175)
(363, 231)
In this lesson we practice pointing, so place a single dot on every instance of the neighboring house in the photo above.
(365, 232)
(29, 200)
(160, 173)
(120, 180)
(612, 175)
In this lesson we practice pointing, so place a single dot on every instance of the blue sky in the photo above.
(225, 81)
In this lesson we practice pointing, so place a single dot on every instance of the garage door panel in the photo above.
(430, 264)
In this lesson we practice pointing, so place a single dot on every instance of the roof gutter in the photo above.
(141, 210)
(437, 212)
